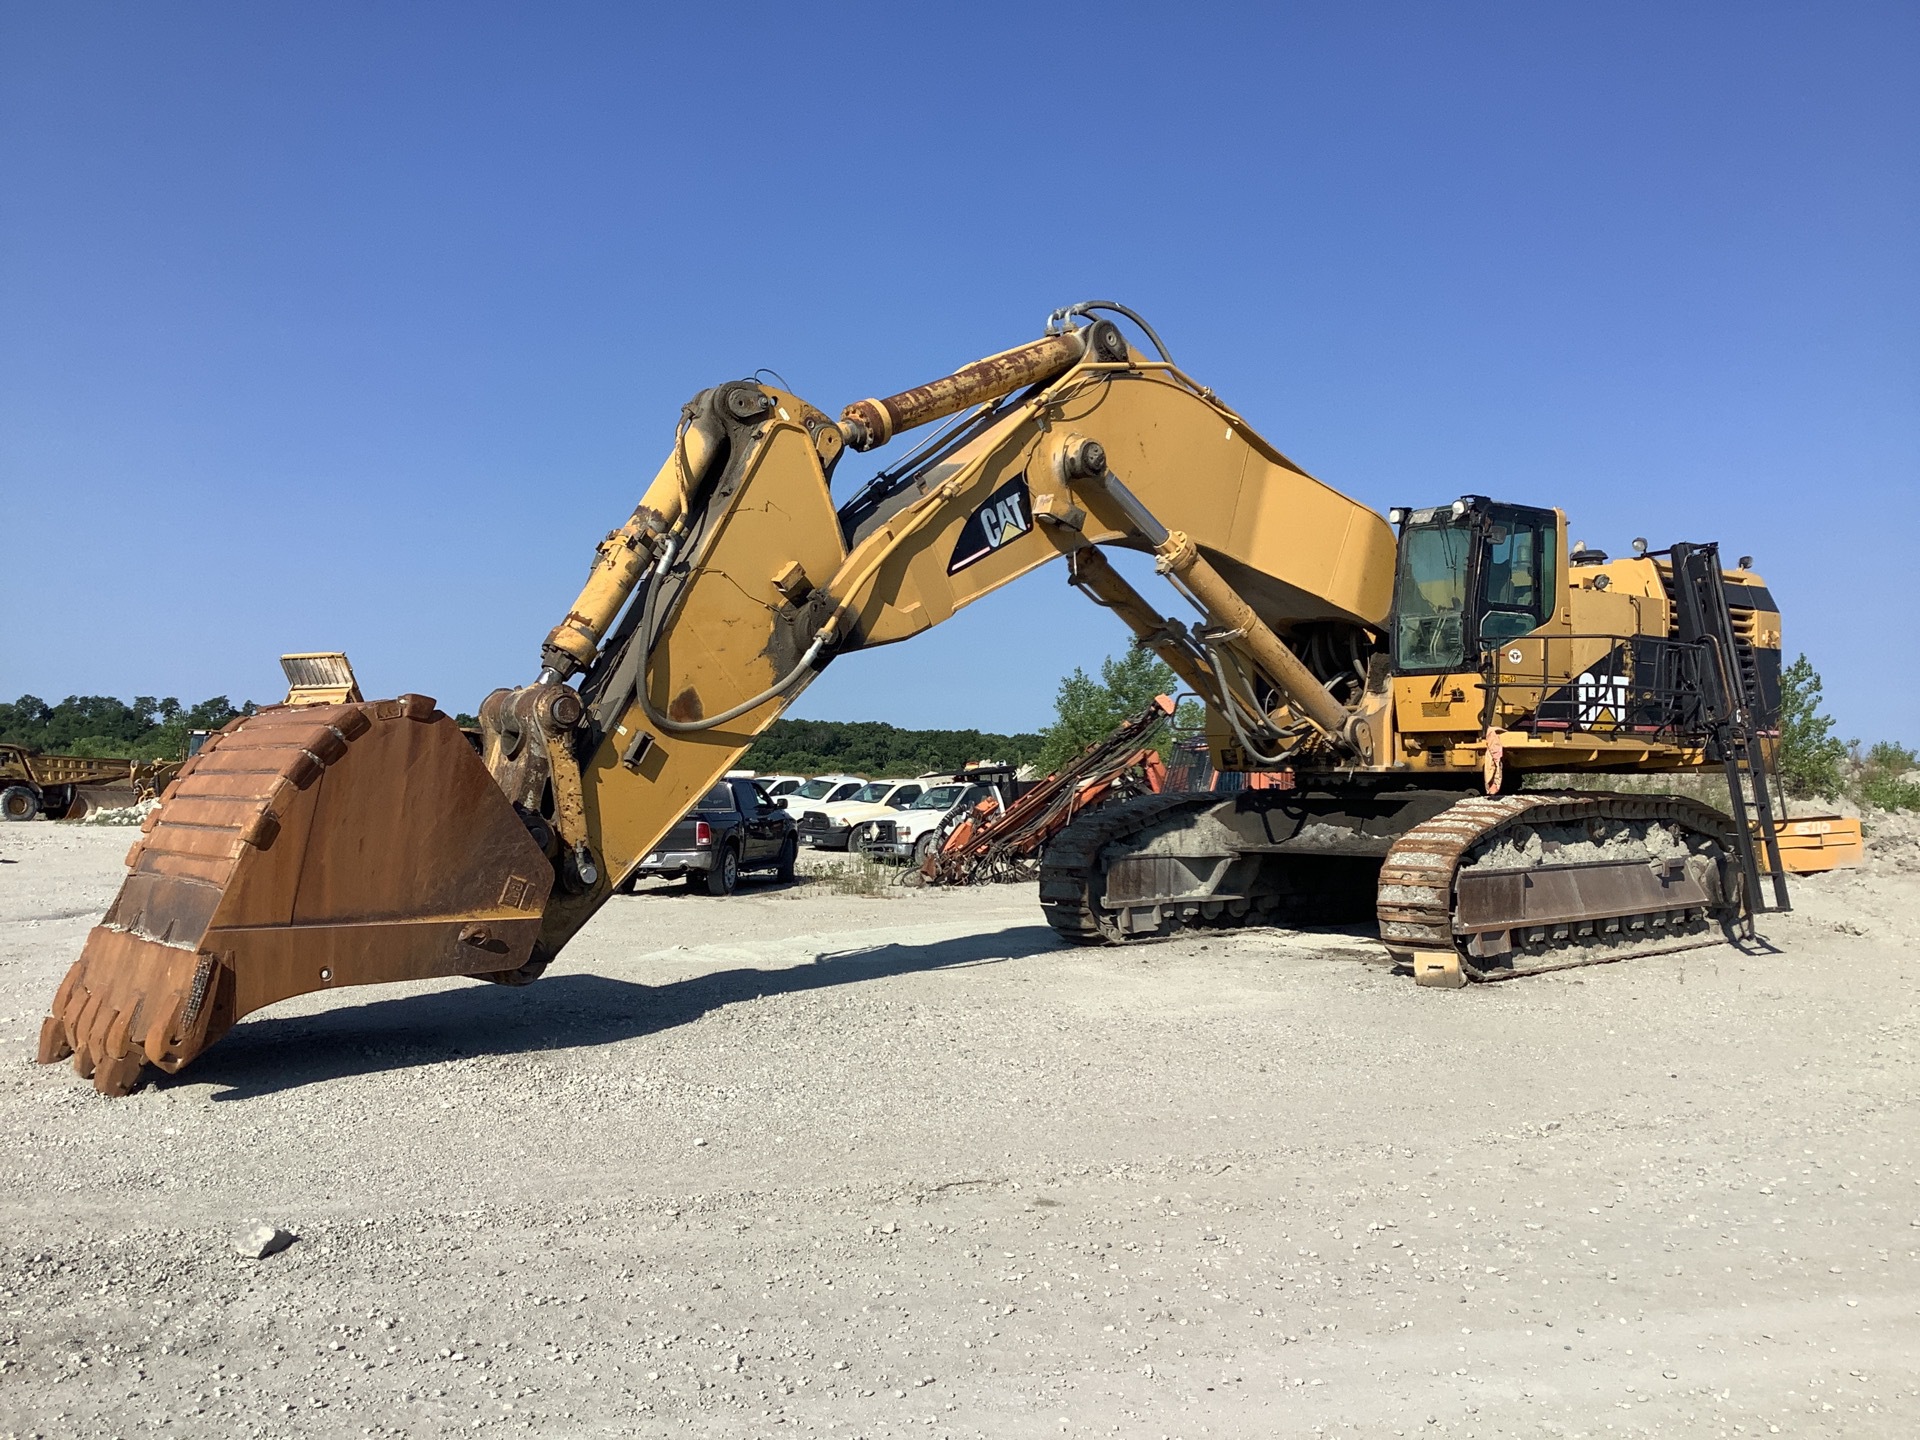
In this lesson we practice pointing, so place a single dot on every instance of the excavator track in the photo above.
(1151, 867)
(1070, 867)
(1456, 910)
(1481, 889)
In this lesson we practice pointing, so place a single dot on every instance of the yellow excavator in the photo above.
(1396, 678)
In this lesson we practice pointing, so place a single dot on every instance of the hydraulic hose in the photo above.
(1088, 307)
(710, 722)
(649, 637)
(1231, 709)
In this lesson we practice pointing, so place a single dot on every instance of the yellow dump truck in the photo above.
(64, 787)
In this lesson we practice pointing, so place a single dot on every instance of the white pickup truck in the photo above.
(911, 834)
(820, 790)
(830, 826)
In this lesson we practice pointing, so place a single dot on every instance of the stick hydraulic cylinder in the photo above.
(868, 423)
(1181, 558)
(625, 554)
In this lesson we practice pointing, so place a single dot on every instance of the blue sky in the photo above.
(357, 325)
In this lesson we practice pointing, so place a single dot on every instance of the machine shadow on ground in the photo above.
(271, 1054)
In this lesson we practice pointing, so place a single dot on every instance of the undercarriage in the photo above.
(1473, 888)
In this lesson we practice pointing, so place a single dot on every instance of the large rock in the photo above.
(256, 1242)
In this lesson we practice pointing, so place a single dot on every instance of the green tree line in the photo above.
(876, 750)
(99, 725)
(1813, 759)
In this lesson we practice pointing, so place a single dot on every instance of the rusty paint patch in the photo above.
(686, 706)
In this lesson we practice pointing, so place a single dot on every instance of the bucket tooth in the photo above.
(304, 848)
(53, 1041)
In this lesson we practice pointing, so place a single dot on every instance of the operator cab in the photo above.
(1470, 575)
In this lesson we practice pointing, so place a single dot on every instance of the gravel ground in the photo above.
(811, 1161)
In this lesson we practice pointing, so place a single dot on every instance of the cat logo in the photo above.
(1600, 701)
(1005, 515)
(1603, 697)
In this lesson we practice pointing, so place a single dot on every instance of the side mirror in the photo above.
(781, 803)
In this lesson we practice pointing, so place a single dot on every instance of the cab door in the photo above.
(762, 822)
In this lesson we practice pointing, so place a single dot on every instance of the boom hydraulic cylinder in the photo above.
(1179, 556)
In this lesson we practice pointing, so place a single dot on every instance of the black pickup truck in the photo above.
(735, 826)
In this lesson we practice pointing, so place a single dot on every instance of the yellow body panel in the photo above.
(1814, 843)
(1425, 705)
(714, 652)
(1293, 546)
(1599, 608)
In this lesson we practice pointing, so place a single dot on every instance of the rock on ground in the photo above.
(257, 1242)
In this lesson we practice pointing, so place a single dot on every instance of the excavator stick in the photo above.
(305, 848)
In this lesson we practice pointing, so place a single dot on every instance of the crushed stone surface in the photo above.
(1619, 840)
(803, 1162)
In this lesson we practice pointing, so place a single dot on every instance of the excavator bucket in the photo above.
(304, 848)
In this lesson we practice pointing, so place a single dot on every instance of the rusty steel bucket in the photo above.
(304, 848)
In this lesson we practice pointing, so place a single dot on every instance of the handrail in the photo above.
(1647, 686)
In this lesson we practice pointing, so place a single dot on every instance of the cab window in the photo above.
(1430, 596)
(939, 798)
(1517, 577)
(903, 797)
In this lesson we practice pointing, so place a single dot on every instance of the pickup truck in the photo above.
(912, 834)
(830, 825)
(735, 826)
